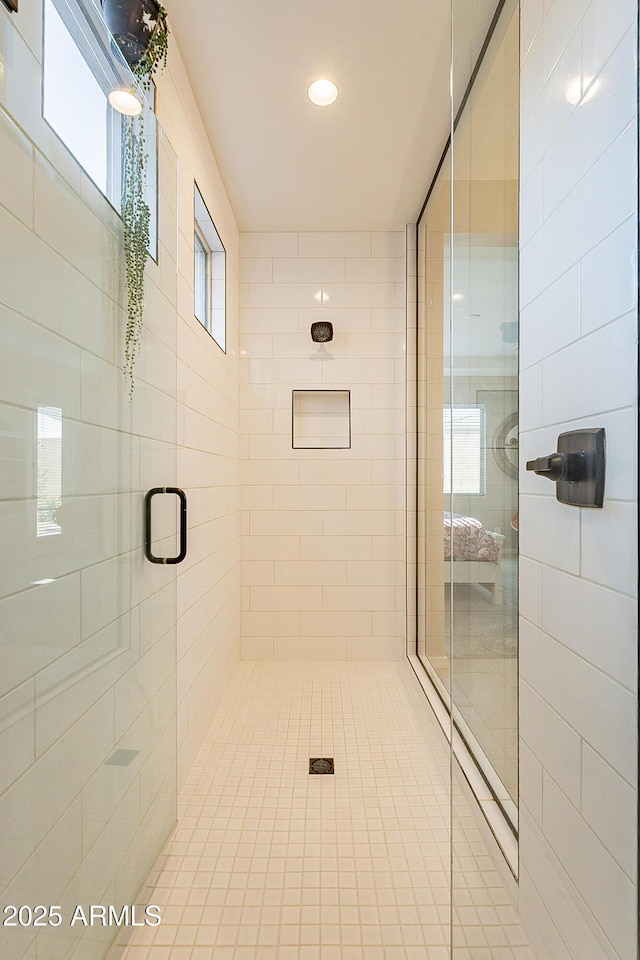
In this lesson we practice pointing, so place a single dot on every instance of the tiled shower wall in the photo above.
(208, 638)
(323, 530)
(578, 630)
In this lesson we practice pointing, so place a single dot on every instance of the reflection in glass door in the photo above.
(468, 418)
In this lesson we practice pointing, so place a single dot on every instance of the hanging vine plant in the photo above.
(140, 30)
(154, 56)
(136, 218)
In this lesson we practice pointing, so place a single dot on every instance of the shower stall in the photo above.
(523, 613)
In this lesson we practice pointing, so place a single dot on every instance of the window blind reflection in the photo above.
(49, 470)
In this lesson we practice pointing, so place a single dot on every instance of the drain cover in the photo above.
(321, 765)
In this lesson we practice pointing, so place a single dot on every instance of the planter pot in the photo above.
(131, 22)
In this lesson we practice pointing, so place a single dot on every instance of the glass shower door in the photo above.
(481, 342)
(467, 487)
(481, 410)
(88, 625)
(433, 598)
(467, 414)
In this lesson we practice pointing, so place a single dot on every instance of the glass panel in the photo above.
(484, 376)
(482, 348)
(467, 415)
(88, 636)
(434, 262)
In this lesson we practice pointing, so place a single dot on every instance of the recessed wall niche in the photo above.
(321, 419)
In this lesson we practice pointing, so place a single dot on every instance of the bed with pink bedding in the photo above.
(476, 553)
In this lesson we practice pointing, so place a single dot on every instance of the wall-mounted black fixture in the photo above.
(150, 494)
(577, 468)
(12, 5)
(322, 331)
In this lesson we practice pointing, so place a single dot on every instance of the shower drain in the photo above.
(321, 765)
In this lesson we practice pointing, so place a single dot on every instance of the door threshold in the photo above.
(493, 806)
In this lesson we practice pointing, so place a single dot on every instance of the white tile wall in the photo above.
(578, 716)
(208, 433)
(321, 544)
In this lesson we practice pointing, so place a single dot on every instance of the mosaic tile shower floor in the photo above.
(270, 863)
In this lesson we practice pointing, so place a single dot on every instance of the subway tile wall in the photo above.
(578, 630)
(323, 530)
(208, 639)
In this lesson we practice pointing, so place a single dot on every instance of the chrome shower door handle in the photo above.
(150, 494)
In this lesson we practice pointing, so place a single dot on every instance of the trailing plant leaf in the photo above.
(136, 219)
(135, 211)
(155, 55)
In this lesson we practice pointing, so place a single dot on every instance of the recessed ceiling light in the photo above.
(322, 92)
(125, 102)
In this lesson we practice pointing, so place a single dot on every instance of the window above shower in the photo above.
(209, 272)
(81, 66)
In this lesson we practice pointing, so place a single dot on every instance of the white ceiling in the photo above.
(364, 163)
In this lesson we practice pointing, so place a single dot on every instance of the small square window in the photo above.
(209, 273)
